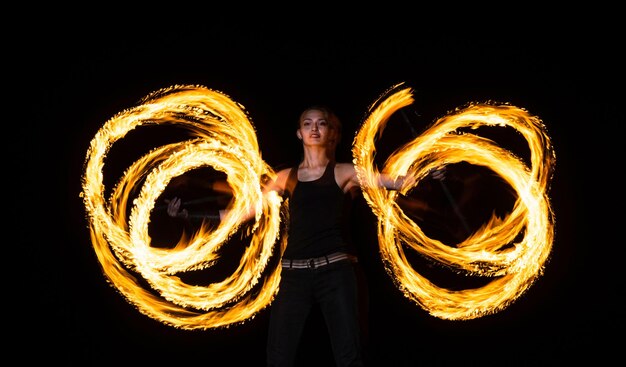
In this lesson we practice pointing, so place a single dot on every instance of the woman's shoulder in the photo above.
(345, 167)
(345, 175)
(282, 177)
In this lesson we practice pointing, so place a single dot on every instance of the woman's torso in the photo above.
(319, 211)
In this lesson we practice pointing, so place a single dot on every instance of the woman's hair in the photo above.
(331, 118)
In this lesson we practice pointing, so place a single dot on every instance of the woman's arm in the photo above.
(347, 178)
(175, 208)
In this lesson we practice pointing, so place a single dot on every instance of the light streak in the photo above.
(225, 139)
(495, 250)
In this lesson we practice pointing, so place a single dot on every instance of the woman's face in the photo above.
(315, 129)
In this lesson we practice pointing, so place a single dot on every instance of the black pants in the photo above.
(338, 288)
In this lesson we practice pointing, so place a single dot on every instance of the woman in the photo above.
(319, 264)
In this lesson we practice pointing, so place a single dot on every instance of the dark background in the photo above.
(566, 74)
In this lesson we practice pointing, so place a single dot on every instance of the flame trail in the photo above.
(225, 139)
(513, 268)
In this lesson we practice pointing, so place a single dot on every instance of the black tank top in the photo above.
(319, 213)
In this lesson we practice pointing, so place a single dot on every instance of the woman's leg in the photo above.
(288, 314)
(338, 291)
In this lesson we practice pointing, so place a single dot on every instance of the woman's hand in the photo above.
(173, 208)
(439, 173)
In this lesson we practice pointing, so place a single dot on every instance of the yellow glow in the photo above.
(513, 268)
(225, 139)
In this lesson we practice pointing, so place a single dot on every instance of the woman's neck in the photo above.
(315, 158)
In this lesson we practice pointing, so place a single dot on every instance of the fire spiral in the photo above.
(224, 138)
(495, 250)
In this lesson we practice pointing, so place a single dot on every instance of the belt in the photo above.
(316, 262)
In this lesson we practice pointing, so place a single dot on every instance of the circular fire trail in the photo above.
(224, 138)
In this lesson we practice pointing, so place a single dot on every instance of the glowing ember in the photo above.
(225, 139)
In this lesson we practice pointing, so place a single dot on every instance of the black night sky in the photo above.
(565, 75)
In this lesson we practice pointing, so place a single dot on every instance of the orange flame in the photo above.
(513, 268)
(225, 139)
